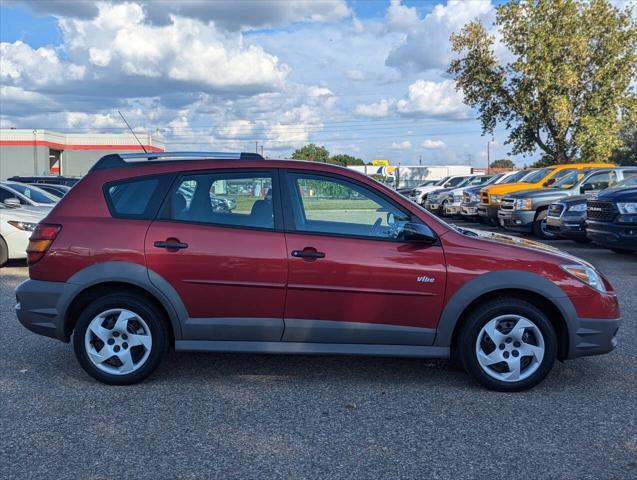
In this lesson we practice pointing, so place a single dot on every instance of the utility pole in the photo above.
(256, 147)
(489, 154)
(262, 150)
(420, 160)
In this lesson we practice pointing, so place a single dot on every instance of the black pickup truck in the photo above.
(611, 217)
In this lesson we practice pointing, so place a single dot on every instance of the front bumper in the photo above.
(613, 235)
(434, 208)
(452, 209)
(516, 220)
(592, 337)
(489, 212)
(469, 209)
(41, 307)
(568, 226)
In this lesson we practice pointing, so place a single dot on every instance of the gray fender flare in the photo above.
(134, 274)
(499, 280)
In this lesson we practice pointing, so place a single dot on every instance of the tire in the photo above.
(539, 227)
(140, 322)
(4, 253)
(540, 345)
(622, 251)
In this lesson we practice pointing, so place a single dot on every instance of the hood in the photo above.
(626, 194)
(429, 189)
(574, 200)
(520, 242)
(505, 188)
(540, 193)
(471, 190)
(23, 214)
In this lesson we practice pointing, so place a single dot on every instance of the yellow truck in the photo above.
(491, 197)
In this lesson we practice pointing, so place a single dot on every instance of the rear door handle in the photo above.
(307, 254)
(171, 245)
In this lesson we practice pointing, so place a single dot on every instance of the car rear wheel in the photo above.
(4, 252)
(120, 339)
(540, 229)
(508, 345)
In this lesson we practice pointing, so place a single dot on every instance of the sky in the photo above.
(362, 77)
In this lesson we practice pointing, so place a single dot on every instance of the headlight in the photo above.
(25, 226)
(580, 207)
(475, 197)
(587, 275)
(496, 198)
(627, 207)
(523, 204)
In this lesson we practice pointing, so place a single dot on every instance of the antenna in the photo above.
(133, 132)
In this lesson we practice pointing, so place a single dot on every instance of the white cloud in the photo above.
(430, 144)
(427, 46)
(435, 99)
(378, 109)
(400, 17)
(184, 51)
(405, 145)
(24, 66)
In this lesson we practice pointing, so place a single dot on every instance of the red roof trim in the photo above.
(60, 146)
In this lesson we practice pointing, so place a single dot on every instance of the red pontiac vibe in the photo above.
(230, 252)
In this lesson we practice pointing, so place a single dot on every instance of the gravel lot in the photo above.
(224, 415)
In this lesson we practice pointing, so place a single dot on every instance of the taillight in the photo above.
(40, 241)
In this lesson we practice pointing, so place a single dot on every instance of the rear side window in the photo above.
(139, 198)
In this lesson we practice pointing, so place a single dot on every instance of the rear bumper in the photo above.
(592, 337)
(517, 220)
(612, 235)
(41, 307)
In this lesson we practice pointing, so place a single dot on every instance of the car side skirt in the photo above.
(313, 348)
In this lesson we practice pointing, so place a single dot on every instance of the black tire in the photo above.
(539, 227)
(4, 253)
(153, 317)
(623, 251)
(480, 316)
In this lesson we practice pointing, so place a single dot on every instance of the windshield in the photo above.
(516, 177)
(441, 181)
(538, 175)
(491, 179)
(33, 193)
(571, 179)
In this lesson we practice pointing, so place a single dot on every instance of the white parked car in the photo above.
(419, 194)
(29, 196)
(16, 225)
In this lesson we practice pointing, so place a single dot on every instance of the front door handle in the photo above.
(307, 254)
(171, 244)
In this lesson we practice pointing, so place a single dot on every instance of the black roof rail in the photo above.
(116, 160)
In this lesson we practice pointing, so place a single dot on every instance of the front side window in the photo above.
(600, 181)
(232, 199)
(454, 182)
(538, 175)
(330, 205)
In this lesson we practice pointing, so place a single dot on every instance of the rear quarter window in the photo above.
(139, 198)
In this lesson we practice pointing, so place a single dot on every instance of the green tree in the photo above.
(570, 76)
(315, 153)
(626, 154)
(502, 163)
(343, 159)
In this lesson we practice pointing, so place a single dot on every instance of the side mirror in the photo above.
(418, 233)
(549, 182)
(12, 203)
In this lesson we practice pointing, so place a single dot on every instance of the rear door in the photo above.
(219, 242)
(350, 280)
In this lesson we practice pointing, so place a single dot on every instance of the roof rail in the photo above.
(116, 160)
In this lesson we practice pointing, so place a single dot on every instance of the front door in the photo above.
(218, 242)
(352, 280)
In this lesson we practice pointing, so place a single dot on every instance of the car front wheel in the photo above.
(120, 339)
(508, 345)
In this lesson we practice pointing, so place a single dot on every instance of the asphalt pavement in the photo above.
(267, 416)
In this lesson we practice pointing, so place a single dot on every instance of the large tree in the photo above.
(626, 154)
(315, 153)
(502, 163)
(569, 80)
(344, 159)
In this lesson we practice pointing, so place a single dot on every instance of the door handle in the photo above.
(307, 254)
(171, 244)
